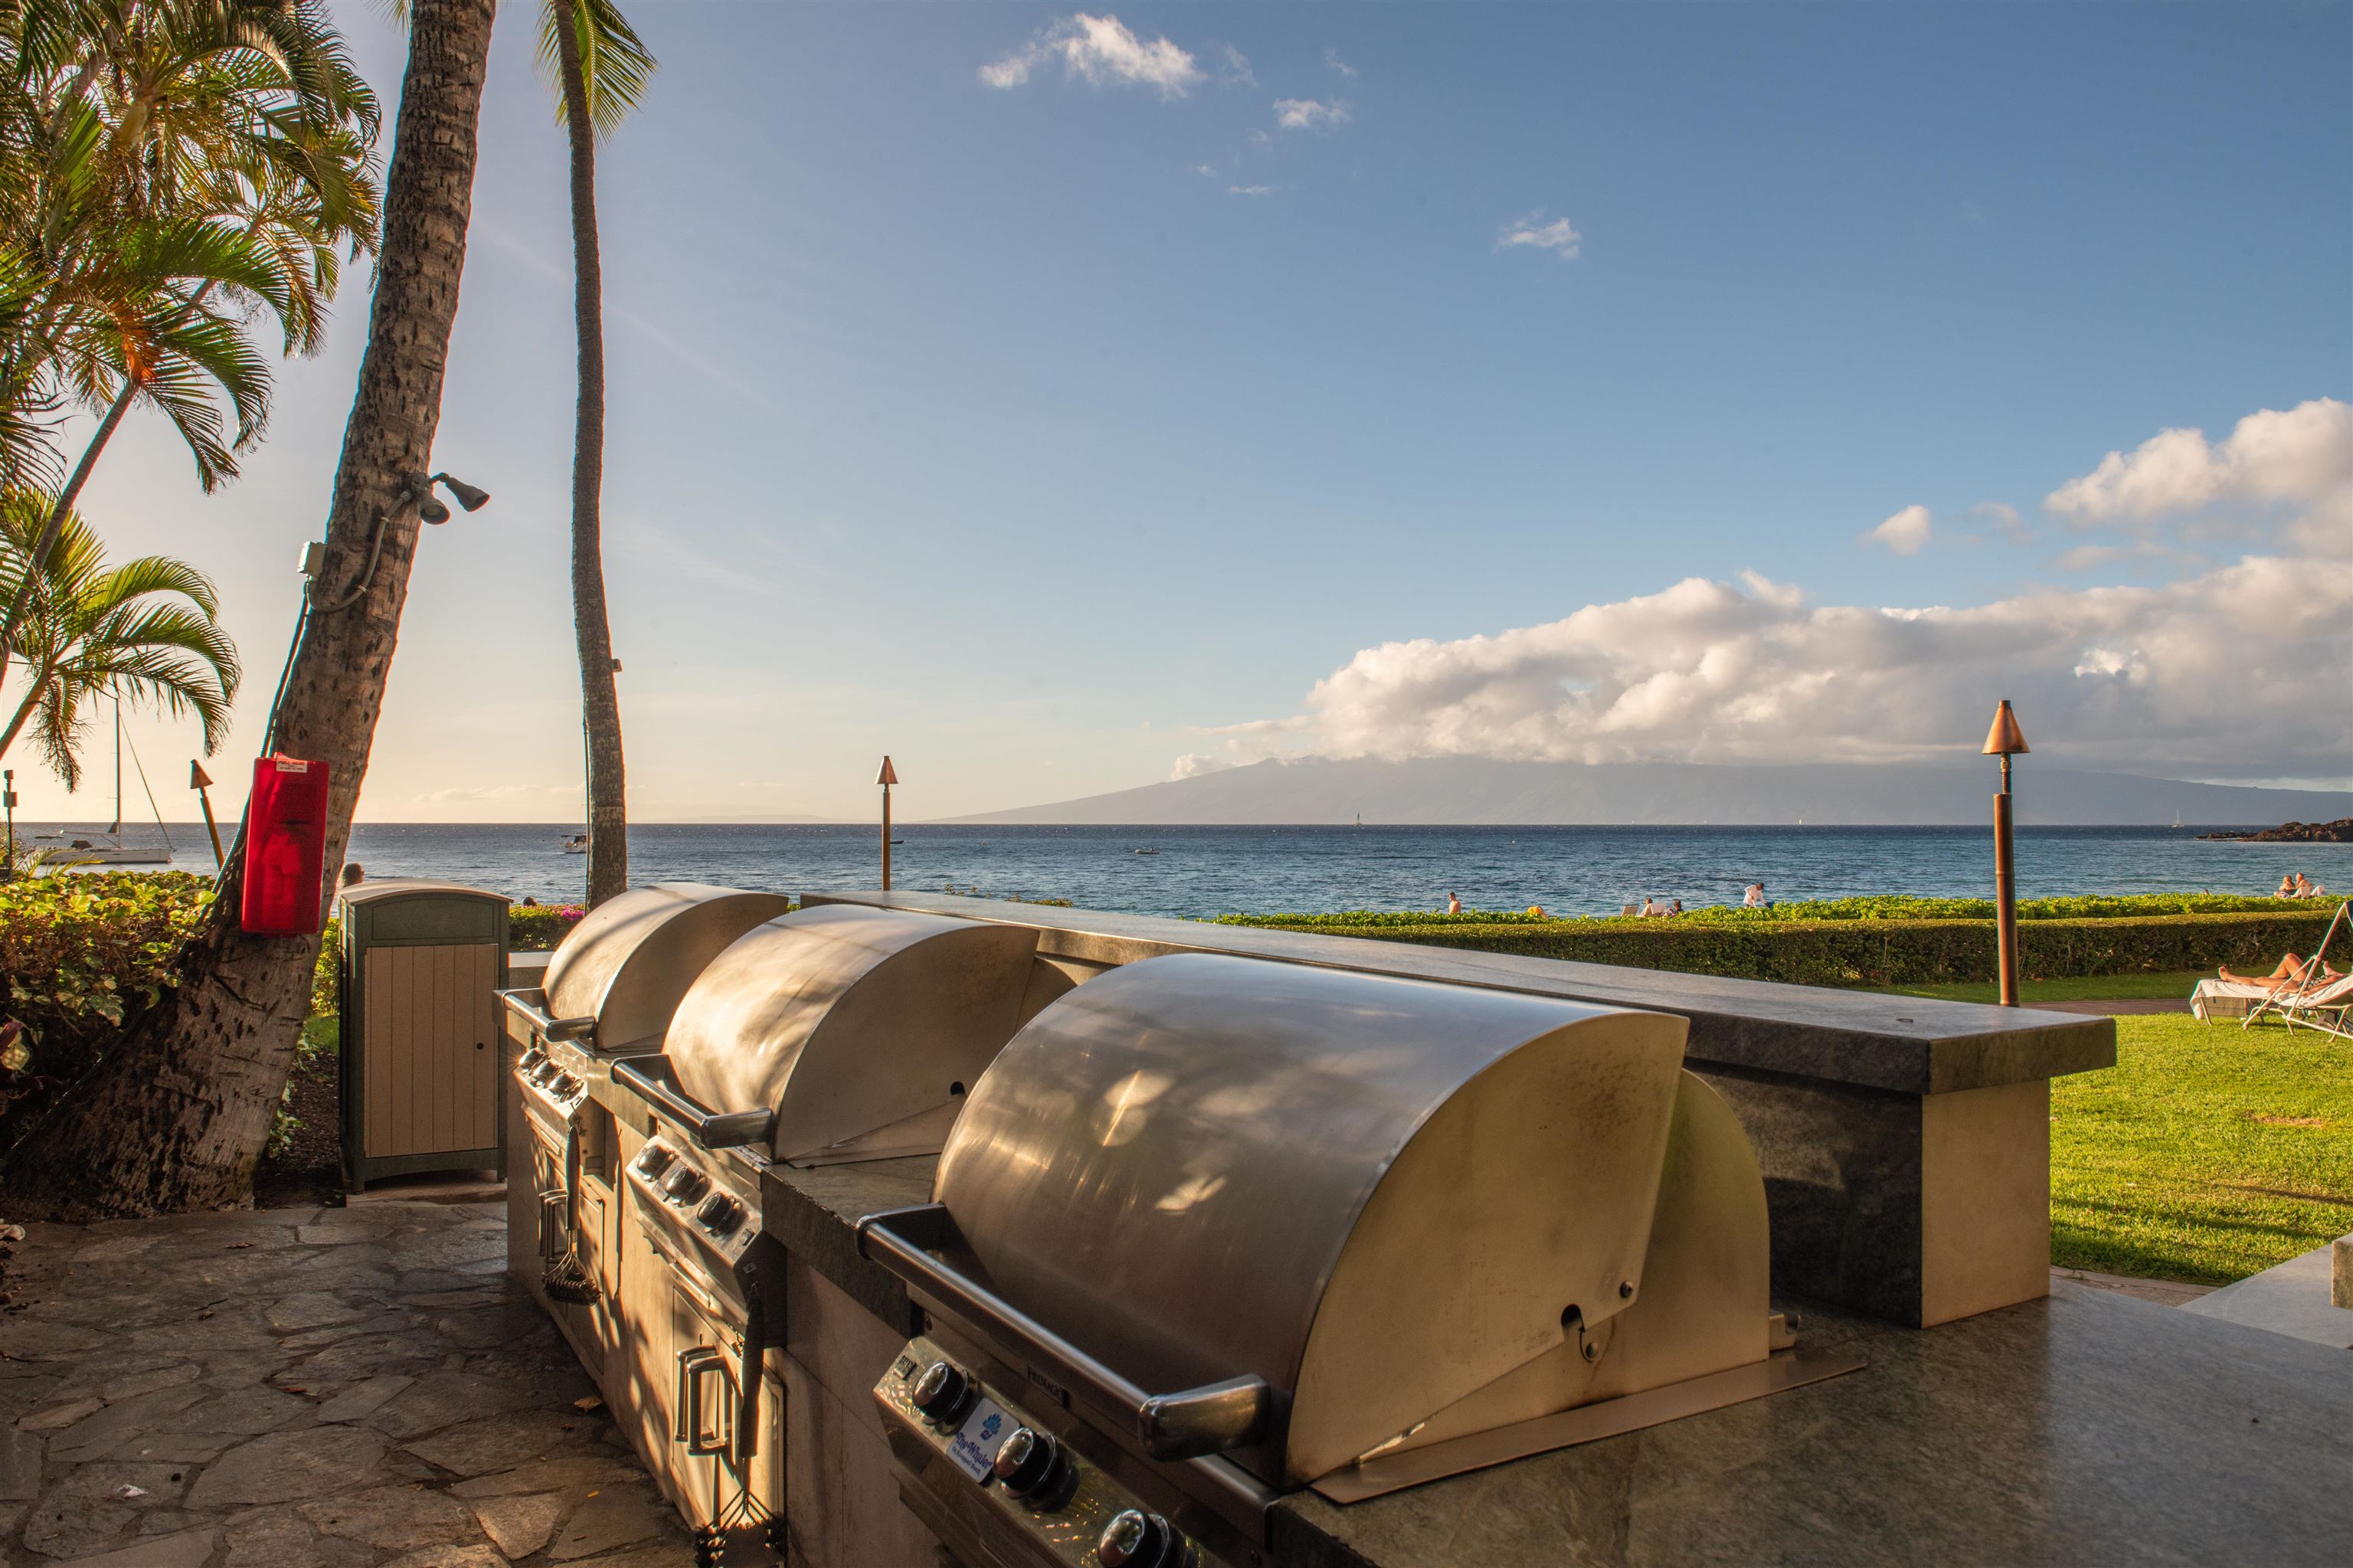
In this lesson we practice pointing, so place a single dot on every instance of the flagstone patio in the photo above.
(304, 1388)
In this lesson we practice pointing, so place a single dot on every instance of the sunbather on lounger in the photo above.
(2290, 973)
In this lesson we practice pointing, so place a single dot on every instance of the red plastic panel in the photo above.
(285, 843)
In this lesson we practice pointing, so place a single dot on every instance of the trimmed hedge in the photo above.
(1885, 907)
(1862, 952)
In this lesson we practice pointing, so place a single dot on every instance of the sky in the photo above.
(1063, 400)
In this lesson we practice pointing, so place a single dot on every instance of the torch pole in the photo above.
(2005, 890)
(200, 783)
(886, 838)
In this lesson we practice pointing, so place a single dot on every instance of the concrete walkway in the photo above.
(303, 1388)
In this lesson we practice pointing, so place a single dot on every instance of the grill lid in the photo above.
(861, 1029)
(1376, 1194)
(630, 960)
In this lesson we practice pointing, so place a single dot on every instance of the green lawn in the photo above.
(2100, 988)
(2205, 1154)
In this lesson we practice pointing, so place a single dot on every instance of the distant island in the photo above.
(1472, 791)
(2340, 831)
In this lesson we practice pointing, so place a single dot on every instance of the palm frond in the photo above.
(614, 64)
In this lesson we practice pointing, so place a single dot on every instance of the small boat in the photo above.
(1147, 852)
(107, 848)
(575, 843)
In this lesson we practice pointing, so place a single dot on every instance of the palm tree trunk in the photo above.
(176, 1114)
(600, 702)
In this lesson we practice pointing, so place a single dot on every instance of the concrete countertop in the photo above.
(1867, 1038)
(2088, 1428)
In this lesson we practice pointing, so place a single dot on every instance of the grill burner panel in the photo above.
(990, 1484)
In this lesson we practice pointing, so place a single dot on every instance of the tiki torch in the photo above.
(200, 781)
(887, 777)
(2004, 740)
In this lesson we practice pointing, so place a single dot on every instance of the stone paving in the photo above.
(304, 1388)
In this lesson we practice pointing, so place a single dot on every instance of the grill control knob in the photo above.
(654, 1162)
(944, 1394)
(567, 1086)
(719, 1215)
(686, 1184)
(531, 1058)
(1032, 1467)
(1138, 1540)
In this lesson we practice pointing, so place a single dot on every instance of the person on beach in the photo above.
(2287, 888)
(1657, 908)
(2290, 973)
(1753, 897)
(2307, 888)
(354, 873)
(1454, 904)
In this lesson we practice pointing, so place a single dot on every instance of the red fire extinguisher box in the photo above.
(285, 843)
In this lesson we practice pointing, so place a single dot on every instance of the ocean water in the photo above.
(1204, 871)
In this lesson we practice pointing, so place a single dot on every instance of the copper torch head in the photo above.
(2005, 738)
(889, 775)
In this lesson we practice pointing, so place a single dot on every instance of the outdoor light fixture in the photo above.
(2003, 740)
(432, 511)
(467, 496)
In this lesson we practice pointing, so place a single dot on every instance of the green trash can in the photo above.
(419, 972)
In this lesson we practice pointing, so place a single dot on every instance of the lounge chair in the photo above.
(2317, 999)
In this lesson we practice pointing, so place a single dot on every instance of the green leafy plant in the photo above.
(77, 952)
(537, 928)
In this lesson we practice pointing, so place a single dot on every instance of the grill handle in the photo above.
(527, 1004)
(653, 1078)
(1188, 1425)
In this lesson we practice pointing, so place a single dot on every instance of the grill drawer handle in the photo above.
(692, 1366)
(653, 1079)
(1183, 1425)
(537, 1017)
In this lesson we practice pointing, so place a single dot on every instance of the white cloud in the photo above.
(1309, 114)
(1236, 67)
(2004, 518)
(1530, 232)
(1249, 190)
(1205, 171)
(2234, 670)
(2298, 454)
(1100, 49)
(1332, 59)
(1905, 533)
(1195, 764)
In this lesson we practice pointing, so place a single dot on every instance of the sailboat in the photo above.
(107, 848)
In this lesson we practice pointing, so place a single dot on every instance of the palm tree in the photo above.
(148, 630)
(176, 1114)
(178, 167)
(598, 68)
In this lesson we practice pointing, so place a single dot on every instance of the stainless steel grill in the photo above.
(824, 1036)
(617, 976)
(838, 1033)
(1212, 1228)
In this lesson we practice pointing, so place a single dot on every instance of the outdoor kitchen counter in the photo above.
(1906, 1143)
(2085, 1428)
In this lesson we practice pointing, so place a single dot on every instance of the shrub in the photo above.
(537, 928)
(78, 951)
(1860, 952)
